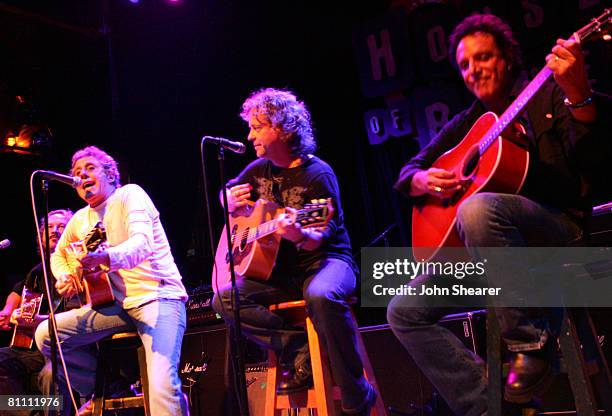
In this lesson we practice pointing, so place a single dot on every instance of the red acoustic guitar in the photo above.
(98, 289)
(23, 334)
(254, 241)
(490, 158)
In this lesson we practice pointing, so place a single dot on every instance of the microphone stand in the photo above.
(47, 266)
(236, 350)
(382, 236)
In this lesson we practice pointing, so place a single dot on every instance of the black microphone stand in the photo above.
(236, 350)
(46, 254)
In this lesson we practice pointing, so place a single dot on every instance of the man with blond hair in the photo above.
(149, 294)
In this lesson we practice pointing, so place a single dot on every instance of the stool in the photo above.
(322, 396)
(118, 342)
(582, 356)
(586, 365)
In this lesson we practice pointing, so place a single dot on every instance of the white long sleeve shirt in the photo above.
(141, 264)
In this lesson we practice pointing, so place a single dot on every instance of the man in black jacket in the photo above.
(560, 124)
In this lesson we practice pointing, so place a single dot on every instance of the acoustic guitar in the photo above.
(98, 289)
(23, 334)
(254, 241)
(490, 158)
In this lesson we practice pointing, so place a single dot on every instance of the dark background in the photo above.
(145, 81)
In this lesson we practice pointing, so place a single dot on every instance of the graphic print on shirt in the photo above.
(292, 197)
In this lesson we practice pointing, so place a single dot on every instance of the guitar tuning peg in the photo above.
(322, 201)
(313, 201)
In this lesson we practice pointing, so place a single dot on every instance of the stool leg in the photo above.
(323, 384)
(271, 382)
(574, 360)
(101, 372)
(144, 379)
(494, 365)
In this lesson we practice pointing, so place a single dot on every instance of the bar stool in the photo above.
(324, 393)
(119, 342)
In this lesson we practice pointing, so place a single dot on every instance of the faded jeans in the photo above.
(160, 325)
(483, 220)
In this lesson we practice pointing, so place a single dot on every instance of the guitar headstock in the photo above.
(95, 238)
(598, 27)
(316, 214)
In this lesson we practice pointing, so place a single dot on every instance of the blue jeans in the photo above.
(325, 287)
(483, 220)
(160, 325)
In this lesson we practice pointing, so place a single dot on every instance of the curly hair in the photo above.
(108, 163)
(283, 110)
(496, 27)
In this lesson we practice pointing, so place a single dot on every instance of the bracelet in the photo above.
(588, 100)
(303, 240)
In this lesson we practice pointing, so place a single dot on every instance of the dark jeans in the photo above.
(18, 373)
(325, 289)
(483, 220)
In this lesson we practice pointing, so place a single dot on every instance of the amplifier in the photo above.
(199, 308)
(470, 328)
(404, 389)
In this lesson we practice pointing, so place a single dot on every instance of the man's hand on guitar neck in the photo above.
(303, 238)
(566, 61)
(434, 181)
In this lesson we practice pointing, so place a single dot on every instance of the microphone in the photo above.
(5, 243)
(73, 181)
(235, 147)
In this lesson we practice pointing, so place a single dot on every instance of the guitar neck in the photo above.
(514, 109)
(262, 230)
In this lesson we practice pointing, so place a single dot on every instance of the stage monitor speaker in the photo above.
(403, 387)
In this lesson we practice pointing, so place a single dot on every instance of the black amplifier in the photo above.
(199, 307)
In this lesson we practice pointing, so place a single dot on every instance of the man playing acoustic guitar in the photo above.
(144, 278)
(312, 263)
(21, 360)
(560, 124)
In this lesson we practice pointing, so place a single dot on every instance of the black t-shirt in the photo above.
(295, 187)
(34, 281)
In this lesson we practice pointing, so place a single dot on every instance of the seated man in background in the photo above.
(20, 364)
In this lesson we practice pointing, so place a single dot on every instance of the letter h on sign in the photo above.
(383, 54)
